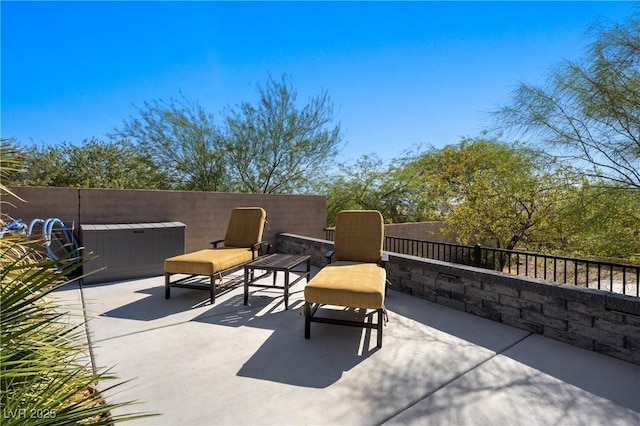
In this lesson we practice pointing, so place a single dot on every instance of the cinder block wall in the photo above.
(600, 321)
(206, 214)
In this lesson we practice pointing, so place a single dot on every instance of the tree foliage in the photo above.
(92, 164)
(602, 221)
(590, 110)
(275, 146)
(371, 183)
(493, 193)
(183, 142)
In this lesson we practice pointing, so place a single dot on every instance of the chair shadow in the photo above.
(286, 356)
(155, 306)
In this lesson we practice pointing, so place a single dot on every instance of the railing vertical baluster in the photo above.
(586, 276)
(610, 277)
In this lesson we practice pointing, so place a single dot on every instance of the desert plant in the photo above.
(46, 376)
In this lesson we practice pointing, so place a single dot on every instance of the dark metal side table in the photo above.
(275, 263)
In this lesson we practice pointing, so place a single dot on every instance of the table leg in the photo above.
(286, 289)
(246, 285)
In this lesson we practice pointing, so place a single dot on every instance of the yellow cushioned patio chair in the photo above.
(356, 279)
(242, 244)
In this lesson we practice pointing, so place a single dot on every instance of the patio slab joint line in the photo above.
(87, 332)
(417, 401)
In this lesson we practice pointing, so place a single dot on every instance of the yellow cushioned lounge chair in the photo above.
(242, 244)
(356, 279)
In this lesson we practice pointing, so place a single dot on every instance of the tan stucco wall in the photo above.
(205, 213)
(418, 231)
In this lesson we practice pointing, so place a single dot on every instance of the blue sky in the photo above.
(399, 74)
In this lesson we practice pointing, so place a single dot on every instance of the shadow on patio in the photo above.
(233, 364)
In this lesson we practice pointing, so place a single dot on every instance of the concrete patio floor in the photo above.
(227, 364)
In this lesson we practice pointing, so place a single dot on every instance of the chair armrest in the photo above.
(329, 256)
(260, 247)
(215, 243)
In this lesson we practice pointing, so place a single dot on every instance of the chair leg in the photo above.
(212, 290)
(167, 288)
(380, 325)
(307, 320)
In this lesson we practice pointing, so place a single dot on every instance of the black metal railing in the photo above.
(613, 277)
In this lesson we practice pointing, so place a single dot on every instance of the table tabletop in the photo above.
(278, 261)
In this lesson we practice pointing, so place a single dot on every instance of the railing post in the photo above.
(477, 260)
